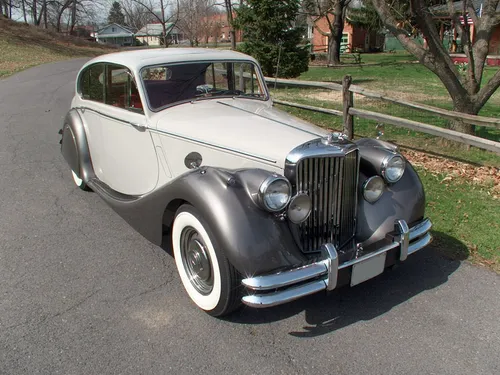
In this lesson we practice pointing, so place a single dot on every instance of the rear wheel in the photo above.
(208, 278)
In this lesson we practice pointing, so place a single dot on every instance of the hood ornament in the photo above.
(333, 138)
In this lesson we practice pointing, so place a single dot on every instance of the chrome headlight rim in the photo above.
(386, 163)
(263, 189)
(365, 184)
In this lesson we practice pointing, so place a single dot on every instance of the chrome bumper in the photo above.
(286, 286)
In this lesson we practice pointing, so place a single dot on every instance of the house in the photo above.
(115, 34)
(447, 30)
(152, 33)
(354, 38)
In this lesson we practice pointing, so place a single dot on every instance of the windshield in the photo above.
(173, 83)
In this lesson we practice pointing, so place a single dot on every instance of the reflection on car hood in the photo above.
(247, 125)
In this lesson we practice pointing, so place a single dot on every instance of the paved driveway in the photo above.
(82, 293)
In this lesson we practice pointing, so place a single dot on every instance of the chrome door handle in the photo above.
(139, 127)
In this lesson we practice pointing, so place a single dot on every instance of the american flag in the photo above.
(469, 20)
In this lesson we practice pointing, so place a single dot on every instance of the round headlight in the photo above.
(393, 168)
(275, 193)
(299, 208)
(373, 189)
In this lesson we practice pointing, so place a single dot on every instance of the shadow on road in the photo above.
(424, 270)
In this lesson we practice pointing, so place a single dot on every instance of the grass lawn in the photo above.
(23, 46)
(460, 208)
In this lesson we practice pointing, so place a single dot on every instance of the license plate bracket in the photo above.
(368, 269)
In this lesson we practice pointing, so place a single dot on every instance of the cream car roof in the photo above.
(137, 59)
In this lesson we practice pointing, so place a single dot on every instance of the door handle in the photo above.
(139, 127)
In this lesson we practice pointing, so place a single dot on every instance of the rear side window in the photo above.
(121, 89)
(92, 83)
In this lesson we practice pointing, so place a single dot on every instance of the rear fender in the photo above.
(74, 146)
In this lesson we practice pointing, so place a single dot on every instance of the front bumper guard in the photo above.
(286, 286)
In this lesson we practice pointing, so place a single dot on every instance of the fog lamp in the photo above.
(299, 208)
(373, 189)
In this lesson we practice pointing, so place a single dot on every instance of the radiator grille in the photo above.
(331, 182)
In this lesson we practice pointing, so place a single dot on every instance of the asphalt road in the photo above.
(82, 293)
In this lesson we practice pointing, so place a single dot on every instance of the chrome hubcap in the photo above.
(196, 261)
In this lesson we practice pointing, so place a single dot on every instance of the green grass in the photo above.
(466, 213)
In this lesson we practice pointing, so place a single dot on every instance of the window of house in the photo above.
(113, 29)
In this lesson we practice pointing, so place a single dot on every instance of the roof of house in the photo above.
(154, 29)
(137, 59)
(125, 31)
(458, 6)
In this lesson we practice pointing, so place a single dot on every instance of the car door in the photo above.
(122, 150)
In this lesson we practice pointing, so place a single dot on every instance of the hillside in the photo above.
(23, 46)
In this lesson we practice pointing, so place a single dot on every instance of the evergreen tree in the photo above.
(115, 14)
(270, 34)
(366, 17)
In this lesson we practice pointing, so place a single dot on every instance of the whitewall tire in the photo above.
(208, 278)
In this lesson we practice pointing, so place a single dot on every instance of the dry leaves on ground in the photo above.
(488, 177)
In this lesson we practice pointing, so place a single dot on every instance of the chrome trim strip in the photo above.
(270, 119)
(284, 296)
(139, 127)
(332, 265)
(286, 278)
(369, 256)
(420, 229)
(421, 243)
(224, 148)
(404, 239)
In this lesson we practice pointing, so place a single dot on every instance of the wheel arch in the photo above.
(74, 146)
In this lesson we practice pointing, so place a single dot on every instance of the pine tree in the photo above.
(115, 14)
(271, 36)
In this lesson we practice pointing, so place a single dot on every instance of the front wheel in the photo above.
(209, 279)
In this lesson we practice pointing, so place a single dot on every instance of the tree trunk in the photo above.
(335, 39)
(34, 13)
(460, 126)
(24, 11)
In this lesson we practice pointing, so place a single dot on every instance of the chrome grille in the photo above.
(331, 182)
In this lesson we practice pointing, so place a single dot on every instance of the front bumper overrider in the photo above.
(276, 289)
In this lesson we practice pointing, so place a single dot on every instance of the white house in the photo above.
(151, 34)
(115, 34)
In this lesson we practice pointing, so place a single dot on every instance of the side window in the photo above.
(92, 83)
(121, 89)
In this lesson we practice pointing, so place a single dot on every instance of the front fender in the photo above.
(254, 241)
(404, 199)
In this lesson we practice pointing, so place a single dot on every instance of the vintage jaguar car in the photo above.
(260, 207)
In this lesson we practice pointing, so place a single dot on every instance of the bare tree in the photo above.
(334, 12)
(136, 16)
(163, 11)
(194, 19)
(229, 10)
(466, 90)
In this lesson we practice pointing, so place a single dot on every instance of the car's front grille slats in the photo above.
(331, 183)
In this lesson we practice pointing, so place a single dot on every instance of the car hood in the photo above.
(249, 126)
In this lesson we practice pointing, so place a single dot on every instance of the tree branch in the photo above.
(486, 91)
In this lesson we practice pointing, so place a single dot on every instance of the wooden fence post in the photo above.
(348, 102)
